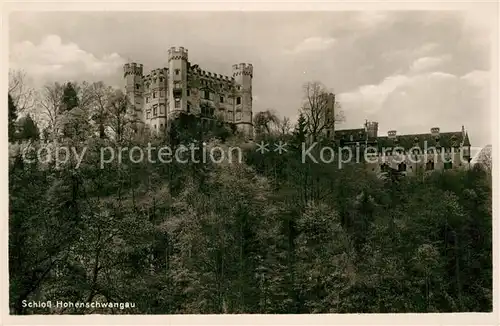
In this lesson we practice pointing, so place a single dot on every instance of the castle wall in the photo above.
(165, 92)
(417, 162)
(156, 98)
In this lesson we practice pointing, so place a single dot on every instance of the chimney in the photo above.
(391, 134)
(435, 132)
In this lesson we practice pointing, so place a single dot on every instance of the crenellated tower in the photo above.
(134, 87)
(177, 80)
(243, 74)
(371, 128)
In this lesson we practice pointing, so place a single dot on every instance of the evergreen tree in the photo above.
(70, 97)
(28, 129)
(12, 119)
(300, 131)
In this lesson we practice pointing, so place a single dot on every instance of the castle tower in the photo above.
(371, 129)
(134, 87)
(177, 80)
(243, 74)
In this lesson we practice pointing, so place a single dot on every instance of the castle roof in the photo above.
(466, 140)
(446, 139)
(358, 134)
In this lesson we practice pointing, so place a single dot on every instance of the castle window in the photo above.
(161, 126)
(155, 110)
(328, 133)
(161, 79)
(162, 93)
(137, 86)
(189, 108)
(147, 99)
(177, 102)
(177, 71)
(238, 100)
(148, 114)
(221, 99)
(206, 94)
(154, 94)
(239, 87)
(188, 92)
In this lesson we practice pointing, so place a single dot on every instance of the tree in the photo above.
(207, 110)
(484, 159)
(28, 129)
(120, 120)
(284, 126)
(51, 103)
(100, 95)
(12, 118)
(264, 121)
(23, 95)
(300, 131)
(320, 109)
(70, 98)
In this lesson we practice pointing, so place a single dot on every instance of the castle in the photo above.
(164, 93)
(407, 154)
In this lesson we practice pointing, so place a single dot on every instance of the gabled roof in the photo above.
(446, 139)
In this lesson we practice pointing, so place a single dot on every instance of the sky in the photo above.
(409, 71)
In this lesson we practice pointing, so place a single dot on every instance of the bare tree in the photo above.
(98, 95)
(284, 126)
(51, 102)
(118, 108)
(320, 109)
(22, 94)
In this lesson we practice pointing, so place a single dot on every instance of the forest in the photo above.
(268, 235)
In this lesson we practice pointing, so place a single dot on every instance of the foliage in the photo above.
(269, 234)
(12, 117)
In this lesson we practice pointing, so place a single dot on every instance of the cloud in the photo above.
(313, 44)
(52, 59)
(427, 64)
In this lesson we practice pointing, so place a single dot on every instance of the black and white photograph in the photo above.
(247, 162)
